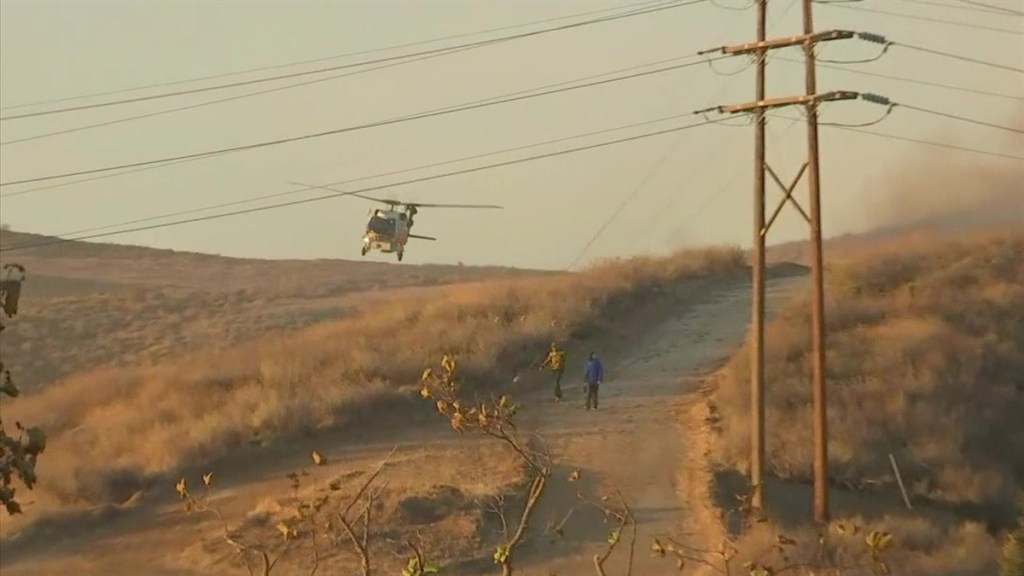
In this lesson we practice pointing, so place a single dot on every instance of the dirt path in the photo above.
(634, 443)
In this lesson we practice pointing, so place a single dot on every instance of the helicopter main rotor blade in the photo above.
(395, 202)
(356, 194)
(421, 237)
(419, 205)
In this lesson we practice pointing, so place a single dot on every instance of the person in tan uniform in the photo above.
(556, 360)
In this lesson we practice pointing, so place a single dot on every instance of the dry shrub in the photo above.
(925, 353)
(112, 429)
(920, 548)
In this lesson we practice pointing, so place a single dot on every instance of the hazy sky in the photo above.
(696, 184)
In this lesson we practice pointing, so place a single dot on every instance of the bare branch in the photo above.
(369, 480)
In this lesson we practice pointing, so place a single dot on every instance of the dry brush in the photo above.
(925, 352)
(18, 453)
(115, 430)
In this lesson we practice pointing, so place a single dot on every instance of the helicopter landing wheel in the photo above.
(400, 256)
(364, 250)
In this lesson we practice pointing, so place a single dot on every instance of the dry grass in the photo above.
(921, 548)
(450, 516)
(112, 428)
(92, 305)
(925, 352)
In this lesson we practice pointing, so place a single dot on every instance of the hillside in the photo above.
(88, 305)
(906, 311)
(925, 350)
(115, 430)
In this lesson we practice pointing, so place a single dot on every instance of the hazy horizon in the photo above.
(695, 184)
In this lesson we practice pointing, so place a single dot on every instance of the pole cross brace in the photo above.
(788, 191)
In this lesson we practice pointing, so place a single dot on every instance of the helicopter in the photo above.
(388, 229)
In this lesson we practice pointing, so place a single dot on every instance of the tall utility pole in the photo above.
(757, 306)
(810, 100)
(817, 274)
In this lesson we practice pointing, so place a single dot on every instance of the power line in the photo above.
(996, 8)
(326, 58)
(380, 175)
(908, 80)
(961, 118)
(477, 44)
(666, 208)
(926, 142)
(280, 141)
(409, 116)
(625, 201)
(909, 139)
(716, 194)
(922, 18)
(958, 57)
(361, 190)
(981, 8)
(97, 177)
(307, 82)
(228, 99)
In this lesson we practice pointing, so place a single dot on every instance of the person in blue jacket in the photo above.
(593, 375)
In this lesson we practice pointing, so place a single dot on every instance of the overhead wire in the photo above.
(408, 116)
(666, 208)
(360, 190)
(875, 58)
(374, 176)
(922, 18)
(908, 80)
(961, 118)
(931, 143)
(480, 43)
(379, 123)
(881, 40)
(307, 82)
(909, 139)
(326, 58)
(718, 192)
(993, 7)
(523, 160)
(476, 156)
(626, 201)
(975, 9)
(228, 99)
(670, 151)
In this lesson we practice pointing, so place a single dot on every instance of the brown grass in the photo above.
(111, 428)
(92, 305)
(449, 515)
(925, 352)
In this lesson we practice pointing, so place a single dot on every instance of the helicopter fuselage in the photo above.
(387, 231)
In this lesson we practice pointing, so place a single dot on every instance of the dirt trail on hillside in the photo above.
(635, 443)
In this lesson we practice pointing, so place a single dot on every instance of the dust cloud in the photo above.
(941, 189)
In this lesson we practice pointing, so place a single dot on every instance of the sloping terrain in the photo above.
(654, 354)
(88, 305)
(925, 351)
(117, 432)
(911, 314)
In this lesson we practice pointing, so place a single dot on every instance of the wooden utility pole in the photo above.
(758, 269)
(818, 279)
(810, 101)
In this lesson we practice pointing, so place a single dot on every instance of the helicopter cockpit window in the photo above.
(380, 225)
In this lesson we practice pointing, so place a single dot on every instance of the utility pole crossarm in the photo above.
(785, 42)
(803, 99)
